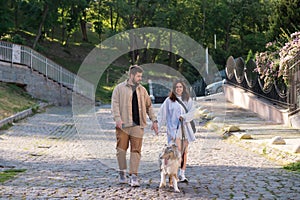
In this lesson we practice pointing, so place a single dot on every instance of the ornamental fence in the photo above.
(19, 54)
(242, 74)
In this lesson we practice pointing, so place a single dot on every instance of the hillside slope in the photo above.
(14, 99)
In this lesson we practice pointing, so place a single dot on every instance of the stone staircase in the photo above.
(40, 76)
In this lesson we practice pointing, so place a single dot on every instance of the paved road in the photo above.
(62, 164)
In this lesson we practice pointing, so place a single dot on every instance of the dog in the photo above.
(169, 161)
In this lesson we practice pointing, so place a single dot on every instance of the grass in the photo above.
(264, 150)
(14, 99)
(6, 126)
(293, 167)
(9, 174)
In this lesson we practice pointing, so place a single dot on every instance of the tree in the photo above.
(71, 12)
(38, 35)
(5, 18)
(96, 16)
(285, 17)
(239, 26)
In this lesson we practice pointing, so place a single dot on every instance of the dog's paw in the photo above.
(162, 185)
(177, 190)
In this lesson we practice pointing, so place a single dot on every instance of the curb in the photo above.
(263, 148)
(21, 115)
(282, 157)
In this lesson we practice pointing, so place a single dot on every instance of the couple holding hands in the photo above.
(130, 106)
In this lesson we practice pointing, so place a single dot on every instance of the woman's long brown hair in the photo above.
(185, 93)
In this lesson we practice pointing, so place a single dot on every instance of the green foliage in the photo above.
(267, 63)
(14, 99)
(293, 166)
(6, 126)
(250, 56)
(15, 38)
(287, 54)
(111, 76)
(35, 109)
(274, 63)
(239, 26)
(5, 18)
(285, 16)
(103, 94)
(18, 39)
(9, 174)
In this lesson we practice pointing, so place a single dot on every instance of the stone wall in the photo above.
(262, 107)
(36, 84)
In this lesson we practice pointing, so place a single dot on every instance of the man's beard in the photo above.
(135, 83)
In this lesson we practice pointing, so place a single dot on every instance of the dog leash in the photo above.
(182, 138)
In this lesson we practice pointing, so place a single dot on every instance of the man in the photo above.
(130, 104)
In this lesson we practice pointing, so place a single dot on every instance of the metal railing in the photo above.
(294, 77)
(23, 55)
(243, 75)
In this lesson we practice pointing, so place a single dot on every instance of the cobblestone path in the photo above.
(62, 164)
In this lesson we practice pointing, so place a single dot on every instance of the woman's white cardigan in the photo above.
(169, 114)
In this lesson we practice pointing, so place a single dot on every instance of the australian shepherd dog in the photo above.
(169, 161)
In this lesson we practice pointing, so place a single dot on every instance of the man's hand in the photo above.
(119, 124)
(155, 127)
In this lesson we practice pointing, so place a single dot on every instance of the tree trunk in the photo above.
(155, 51)
(83, 30)
(227, 38)
(16, 8)
(52, 33)
(143, 57)
(99, 21)
(132, 52)
(45, 12)
(170, 51)
(83, 27)
(66, 44)
(107, 76)
(63, 29)
(116, 22)
(111, 19)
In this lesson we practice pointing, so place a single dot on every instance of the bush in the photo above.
(274, 63)
(293, 166)
(288, 54)
(18, 39)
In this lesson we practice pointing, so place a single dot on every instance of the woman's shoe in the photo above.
(182, 178)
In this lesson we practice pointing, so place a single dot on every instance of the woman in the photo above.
(174, 115)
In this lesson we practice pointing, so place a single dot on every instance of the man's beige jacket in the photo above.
(122, 104)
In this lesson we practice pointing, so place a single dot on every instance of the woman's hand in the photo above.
(173, 137)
